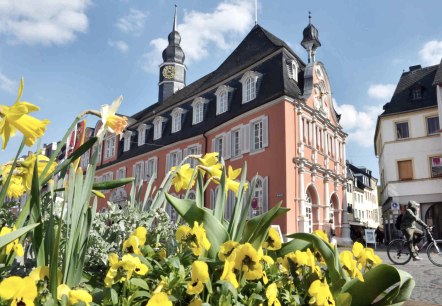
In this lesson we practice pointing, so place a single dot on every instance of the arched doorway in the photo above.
(311, 201)
(333, 217)
(433, 217)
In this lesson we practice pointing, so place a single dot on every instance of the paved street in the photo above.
(428, 277)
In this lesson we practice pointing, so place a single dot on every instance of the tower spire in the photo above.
(174, 18)
(310, 40)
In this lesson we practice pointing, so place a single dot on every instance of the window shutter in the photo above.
(265, 194)
(111, 176)
(155, 166)
(167, 162)
(133, 170)
(227, 145)
(251, 137)
(124, 172)
(198, 149)
(179, 156)
(265, 132)
(213, 145)
(185, 152)
(146, 168)
(245, 138)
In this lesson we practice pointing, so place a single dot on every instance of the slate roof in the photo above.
(356, 170)
(274, 83)
(416, 78)
(438, 77)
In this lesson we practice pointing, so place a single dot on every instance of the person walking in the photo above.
(408, 227)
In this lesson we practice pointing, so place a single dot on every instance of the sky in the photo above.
(76, 55)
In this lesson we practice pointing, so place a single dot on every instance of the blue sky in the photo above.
(79, 54)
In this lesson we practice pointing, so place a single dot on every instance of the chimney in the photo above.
(416, 67)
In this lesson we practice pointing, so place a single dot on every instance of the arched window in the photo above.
(308, 211)
(260, 197)
(198, 110)
(249, 85)
(177, 119)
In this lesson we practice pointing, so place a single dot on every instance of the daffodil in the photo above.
(200, 275)
(209, 159)
(159, 299)
(248, 261)
(26, 168)
(14, 245)
(15, 187)
(273, 241)
(229, 272)
(110, 120)
(15, 117)
(183, 177)
(272, 295)
(226, 249)
(22, 291)
(320, 294)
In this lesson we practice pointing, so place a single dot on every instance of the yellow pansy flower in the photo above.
(42, 274)
(229, 272)
(15, 117)
(140, 232)
(350, 265)
(209, 159)
(132, 245)
(22, 291)
(114, 264)
(321, 234)
(226, 249)
(272, 295)
(183, 177)
(74, 296)
(182, 232)
(248, 261)
(196, 302)
(200, 275)
(62, 289)
(273, 241)
(111, 121)
(14, 245)
(196, 238)
(159, 299)
(320, 294)
(133, 264)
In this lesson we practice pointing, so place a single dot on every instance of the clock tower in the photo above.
(172, 70)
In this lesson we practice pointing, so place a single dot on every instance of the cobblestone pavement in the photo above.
(428, 278)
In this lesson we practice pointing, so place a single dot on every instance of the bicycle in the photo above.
(399, 253)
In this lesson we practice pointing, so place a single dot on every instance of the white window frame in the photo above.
(151, 166)
(193, 149)
(293, 69)
(121, 173)
(263, 138)
(222, 99)
(249, 85)
(218, 145)
(142, 128)
(138, 171)
(198, 110)
(158, 127)
(261, 193)
(427, 119)
(236, 148)
(127, 140)
(177, 119)
(109, 144)
(173, 158)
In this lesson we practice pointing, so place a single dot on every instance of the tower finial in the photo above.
(174, 18)
(309, 17)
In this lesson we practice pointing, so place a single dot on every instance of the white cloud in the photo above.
(359, 125)
(119, 45)
(381, 91)
(7, 84)
(431, 52)
(133, 22)
(43, 22)
(201, 31)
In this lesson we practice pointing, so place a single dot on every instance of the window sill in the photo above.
(257, 151)
(233, 158)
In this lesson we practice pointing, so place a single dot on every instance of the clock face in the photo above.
(168, 72)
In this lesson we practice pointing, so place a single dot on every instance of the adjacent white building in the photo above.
(408, 144)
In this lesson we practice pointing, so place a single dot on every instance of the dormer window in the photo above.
(127, 139)
(293, 69)
(249, 83)
(198, 110)
(177, 116)
(142, 129)
(222, 99)
(158, 124)
(416, 93)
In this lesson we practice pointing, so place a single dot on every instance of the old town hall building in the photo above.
(262, 105)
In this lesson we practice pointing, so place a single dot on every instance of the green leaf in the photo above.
(256, 228)
(113, 184)
(139, 283)
(376, 281)
(190, 212)
(343, 299)
(8, 238)
(238, 212)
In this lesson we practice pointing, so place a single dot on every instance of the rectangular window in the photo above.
(219, 146)
(176, 122)
(193, 150)
(121, 173)
(257, 136)
(402, 130)
(198, 111)
(110, 148)
(127, 140)
(223, 102)
(151, 168)
(433, 125)
(141, 136)
(436, 166)
(174, 159)
(138, 172)
(236, 144)
(417, 94)
(405, 168)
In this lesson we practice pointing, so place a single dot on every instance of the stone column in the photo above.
(345, 226)
(301, 197)
(300, 131)
(327, 197)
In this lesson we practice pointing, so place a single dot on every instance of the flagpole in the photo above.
(256, 12)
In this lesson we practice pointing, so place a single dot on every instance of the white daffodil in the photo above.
(112, 122)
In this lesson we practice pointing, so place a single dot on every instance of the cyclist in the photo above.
(408, 227)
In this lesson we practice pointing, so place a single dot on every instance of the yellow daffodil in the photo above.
(209, 159)
(74, 295)
(15, 117)
(226, 249)
(111, 121)
(350, 265)
(321, 234)
(229, 272)
(273, 241)
(183, 177)
(196, 302)
(214, 171)
(272, 295)
(16, 187)
(42, 274)
(200, 275)
(320, 294)
(14, 245)
(26, 168)
(248, 261)
(159, 299)
(22, 291)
